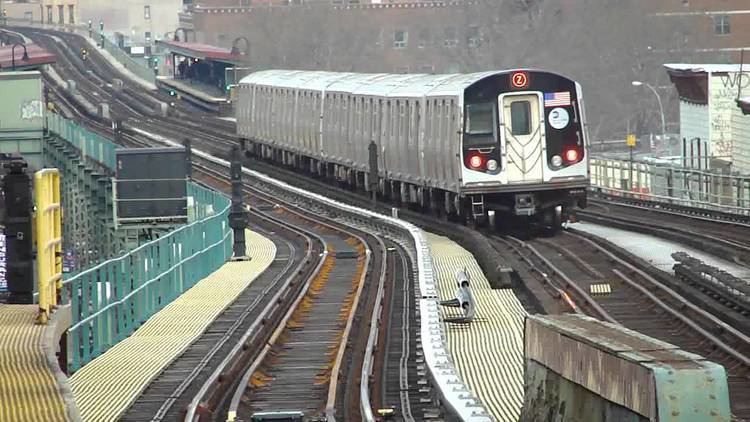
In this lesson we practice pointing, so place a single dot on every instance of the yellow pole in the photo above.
(48, 231)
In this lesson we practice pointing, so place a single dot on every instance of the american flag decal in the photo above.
(556, 99)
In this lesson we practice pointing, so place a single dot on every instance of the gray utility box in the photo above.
(150, 186)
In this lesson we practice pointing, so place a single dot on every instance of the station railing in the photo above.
(672, 184)
(91, 145)
(138, 68)
(112, 299)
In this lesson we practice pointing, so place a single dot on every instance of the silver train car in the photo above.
(513, 142)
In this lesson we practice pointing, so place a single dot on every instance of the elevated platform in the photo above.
(35, 59)
(32, 387)
(109, 384)
(488, 352)
(205, 96)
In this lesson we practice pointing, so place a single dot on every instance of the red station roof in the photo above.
(202, 51)
(37, 57)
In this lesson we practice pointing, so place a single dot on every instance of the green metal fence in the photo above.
(91, 145)
(112, 299)
(139, 69)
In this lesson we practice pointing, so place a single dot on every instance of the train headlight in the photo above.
(556, 161)
(492, 165)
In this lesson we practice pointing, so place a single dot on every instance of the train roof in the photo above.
(376, 84)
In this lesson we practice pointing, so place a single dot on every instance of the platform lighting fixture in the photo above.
(13, 54)
(661, 107)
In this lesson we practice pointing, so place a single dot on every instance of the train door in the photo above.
(522, 137)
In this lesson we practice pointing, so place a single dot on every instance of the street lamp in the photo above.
(13, 54)
(661, 108)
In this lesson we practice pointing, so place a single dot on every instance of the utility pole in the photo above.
(188, 157)
(661, 107)
(631, 144)
(237, 215)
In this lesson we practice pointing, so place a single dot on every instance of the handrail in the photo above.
(675, 185)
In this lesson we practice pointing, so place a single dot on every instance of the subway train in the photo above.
(494, 146)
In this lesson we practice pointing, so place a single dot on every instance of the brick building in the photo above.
(604, 45)
(61, 12)
(718, 28)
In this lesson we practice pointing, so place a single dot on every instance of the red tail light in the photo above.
(476, 161)
(571, 155)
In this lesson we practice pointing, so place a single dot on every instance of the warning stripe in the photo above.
(28, 388)
(488, 352)
(105, 387)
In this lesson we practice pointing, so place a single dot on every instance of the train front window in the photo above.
(520, 118)
(480, 119)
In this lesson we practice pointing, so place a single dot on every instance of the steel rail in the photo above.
(684, 303)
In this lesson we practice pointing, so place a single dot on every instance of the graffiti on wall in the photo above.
(32, 109)
(724, 90)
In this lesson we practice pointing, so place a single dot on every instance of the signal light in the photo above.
(571, 155)
(476, 161)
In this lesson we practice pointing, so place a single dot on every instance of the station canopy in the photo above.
(37, 56)
(202, 51)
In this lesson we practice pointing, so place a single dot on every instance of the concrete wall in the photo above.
(741, 131)
(22, 115)
(25, 11)
(60, 11)
(129, 17)
(694, 123)
(550, 397)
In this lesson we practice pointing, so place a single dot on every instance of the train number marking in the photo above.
(520, 80)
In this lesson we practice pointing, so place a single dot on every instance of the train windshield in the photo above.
(480, 119)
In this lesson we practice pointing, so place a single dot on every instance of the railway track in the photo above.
(217, 141)
(303, 358)
(164, 395)
(404, 364)
(627, 292)
(668, 207)
(724, 239)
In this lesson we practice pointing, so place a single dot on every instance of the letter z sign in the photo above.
(519, 80)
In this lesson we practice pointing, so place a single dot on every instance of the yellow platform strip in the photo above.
(28, 388)
(488, 352)
(106, 386)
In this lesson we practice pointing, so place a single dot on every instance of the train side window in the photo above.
(520, 117)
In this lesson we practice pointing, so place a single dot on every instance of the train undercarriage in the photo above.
(544, 207)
